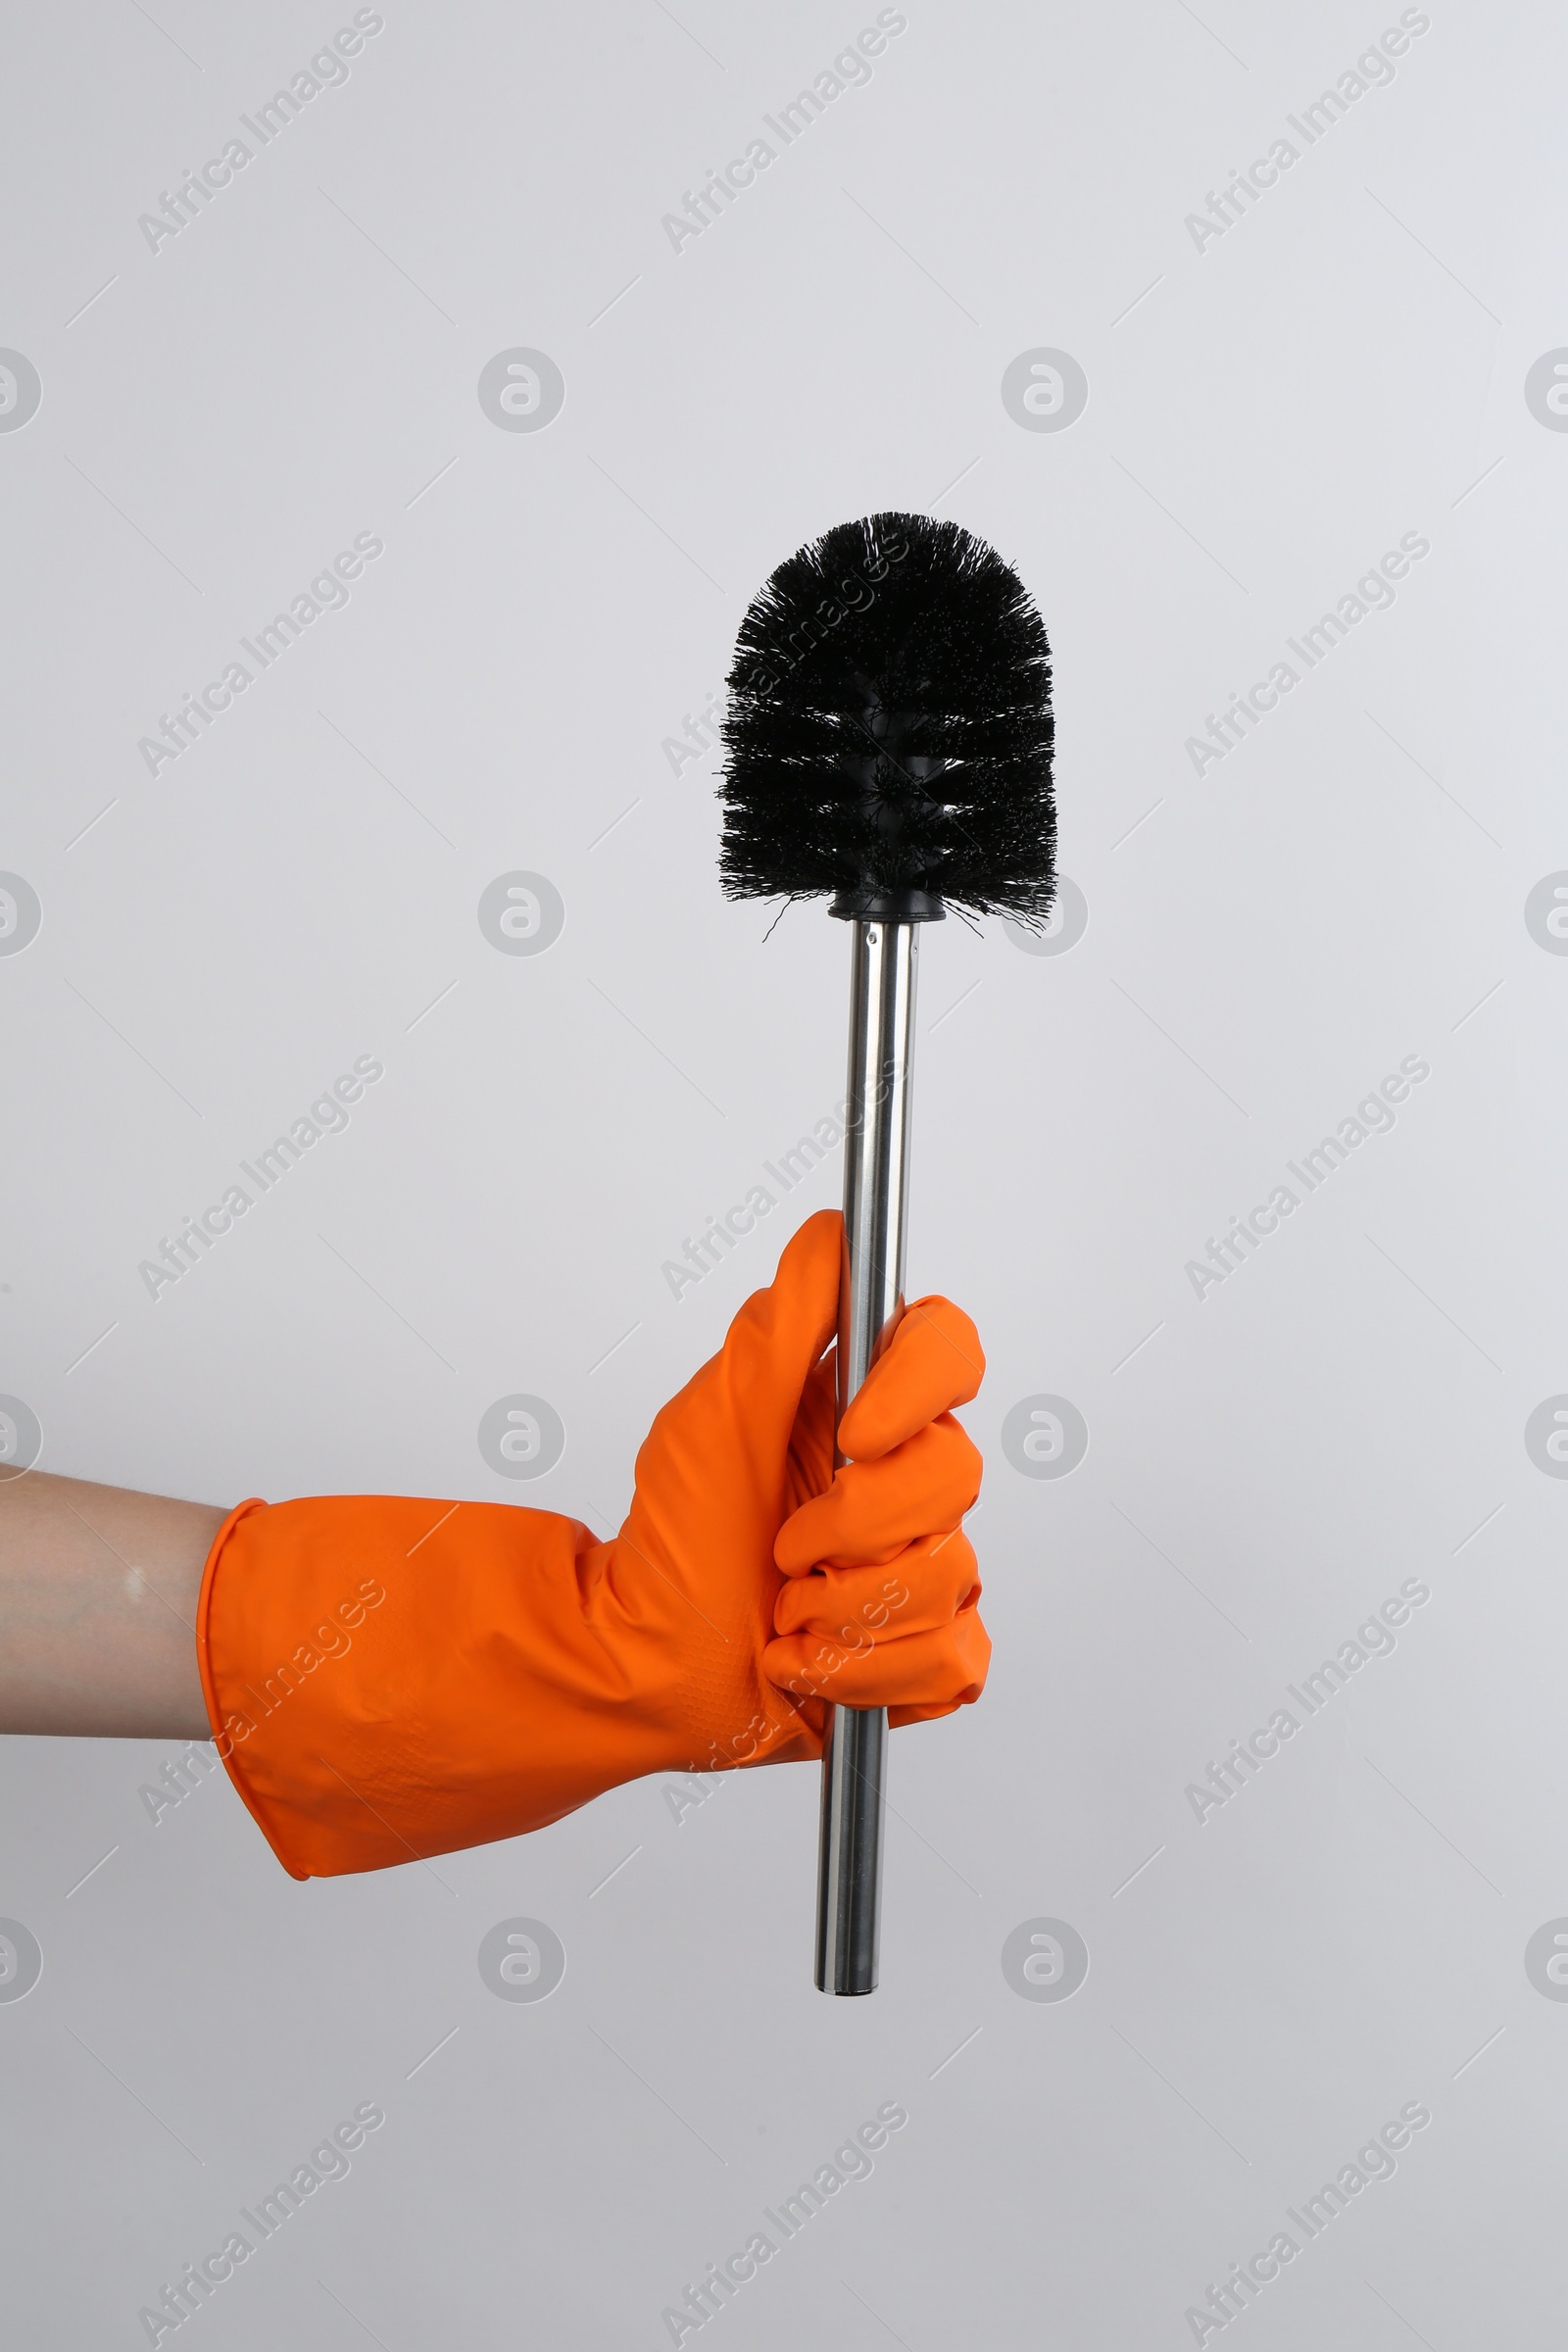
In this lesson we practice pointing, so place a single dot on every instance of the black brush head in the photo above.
(889, 731)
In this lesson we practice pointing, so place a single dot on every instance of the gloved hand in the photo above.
(389, 1678)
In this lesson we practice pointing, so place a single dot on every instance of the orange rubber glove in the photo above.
(388, 1679)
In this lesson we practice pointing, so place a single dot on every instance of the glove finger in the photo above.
(809, 1468)
(941, 1668)
(717, 1450)
(919, 1590)
(898, 1717)
(933, 1362)
(779, 1333)
(873, 1509)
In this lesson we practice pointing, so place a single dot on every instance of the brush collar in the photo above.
(865, 902)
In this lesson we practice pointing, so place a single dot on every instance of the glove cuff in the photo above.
(388, 1678)
(230, 1725)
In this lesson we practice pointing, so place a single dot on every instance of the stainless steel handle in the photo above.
(883, 965)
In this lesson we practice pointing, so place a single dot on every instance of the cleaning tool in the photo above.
(390, 1678)
(889, 738)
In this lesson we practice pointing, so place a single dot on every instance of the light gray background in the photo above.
(1267, 415)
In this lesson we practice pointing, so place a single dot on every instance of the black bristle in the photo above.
(889, 727)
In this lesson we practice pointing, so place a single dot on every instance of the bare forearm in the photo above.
(98, 1590)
